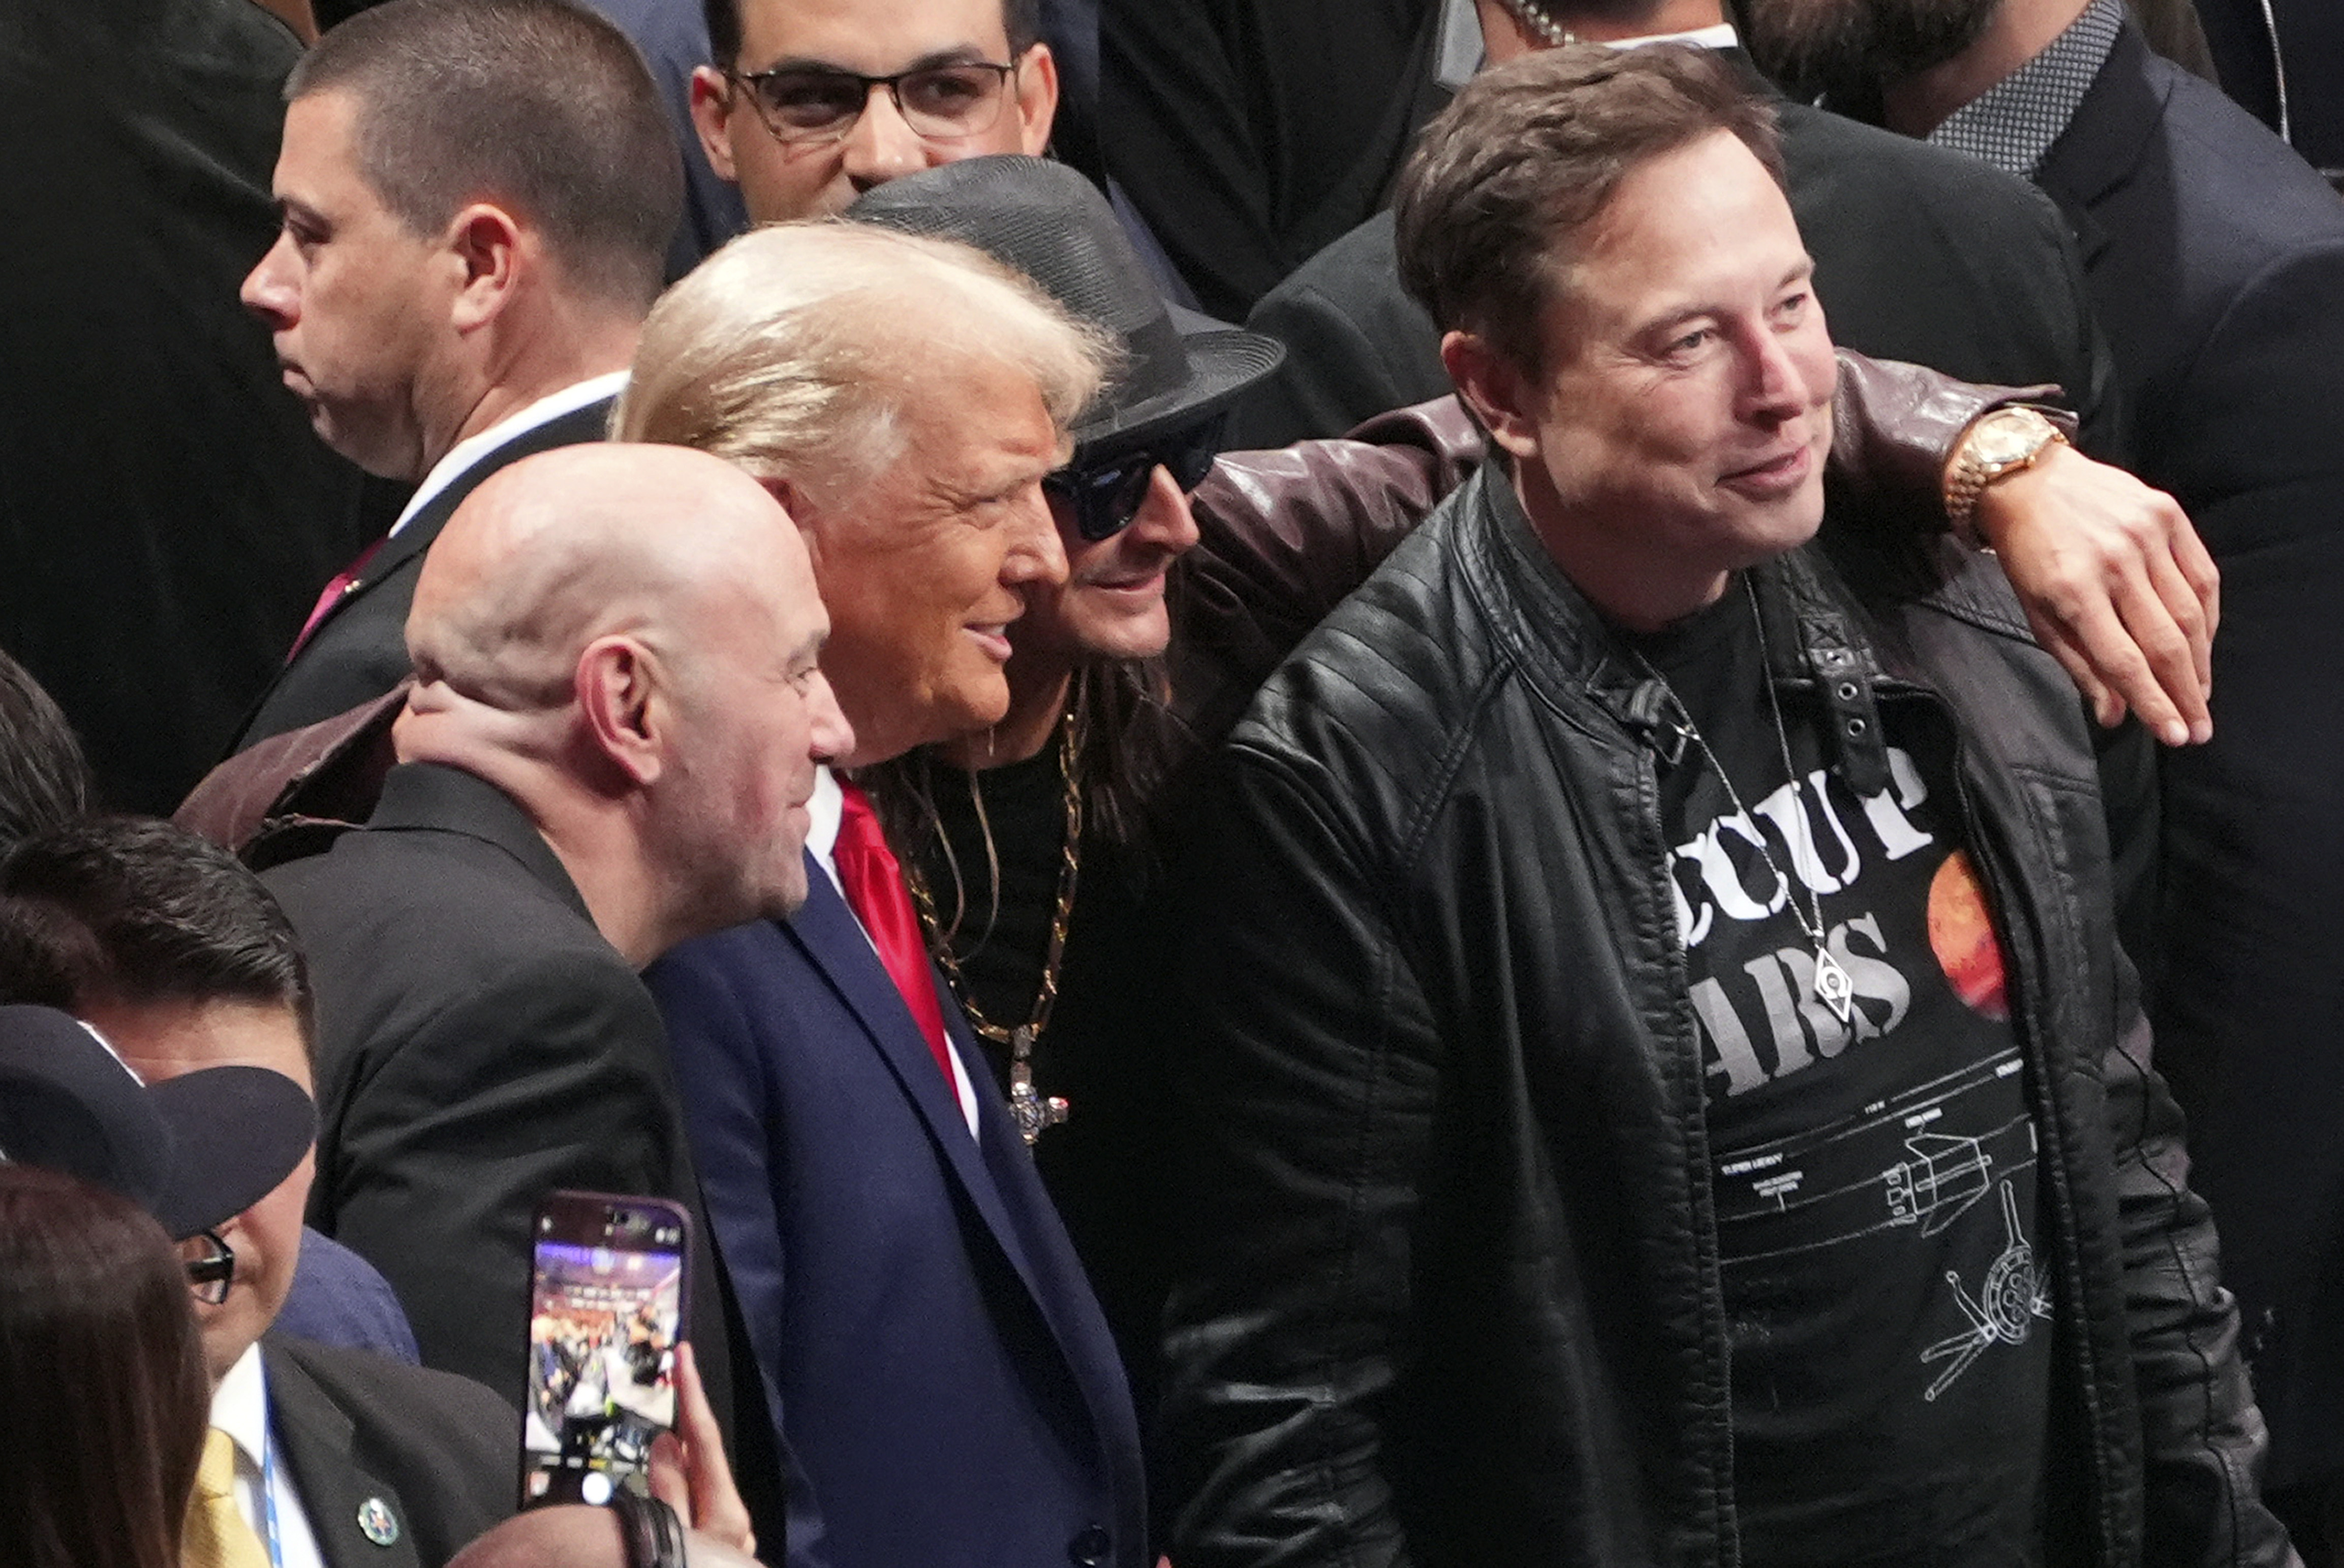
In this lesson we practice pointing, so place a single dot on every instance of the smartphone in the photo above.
(606, 1313)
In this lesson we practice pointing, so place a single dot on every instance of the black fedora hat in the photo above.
(1053, 224)
(194, 1151)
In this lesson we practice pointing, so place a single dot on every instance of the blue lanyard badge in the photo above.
(272, 1537)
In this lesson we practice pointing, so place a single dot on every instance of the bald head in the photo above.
(579, 543)
(574, 1536)
(623, 639)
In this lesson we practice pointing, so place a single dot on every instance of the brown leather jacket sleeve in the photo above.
(326, 775)
(1285, 535)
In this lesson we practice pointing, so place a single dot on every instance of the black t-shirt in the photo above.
(1874, 1178)
(1011, 819)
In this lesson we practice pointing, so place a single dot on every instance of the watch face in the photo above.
(2009, 437)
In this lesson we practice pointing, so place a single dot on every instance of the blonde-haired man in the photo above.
(940, 1369)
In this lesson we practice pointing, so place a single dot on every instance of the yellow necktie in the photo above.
(217, 1536)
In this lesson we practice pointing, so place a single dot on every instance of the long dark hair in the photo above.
(101, 1375)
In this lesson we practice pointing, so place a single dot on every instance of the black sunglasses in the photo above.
(1107, 489)
(210, 1265)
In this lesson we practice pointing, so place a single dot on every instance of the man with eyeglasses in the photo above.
(169, 949)
(813, 102)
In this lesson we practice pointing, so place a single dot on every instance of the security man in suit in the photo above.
(182, 961)
(477, 200)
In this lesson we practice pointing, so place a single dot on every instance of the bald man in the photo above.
(609, 748)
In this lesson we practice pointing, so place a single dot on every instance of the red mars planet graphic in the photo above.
(1962, 936)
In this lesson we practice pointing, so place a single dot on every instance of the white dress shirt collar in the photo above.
(473, 448)
(240, 1409)
(822, 811)
(240, 1406)
(1720, 36)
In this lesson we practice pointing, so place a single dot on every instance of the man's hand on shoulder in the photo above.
(2118, 585)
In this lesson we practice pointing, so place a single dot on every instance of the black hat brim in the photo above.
(236, 1133)
(1224, 362)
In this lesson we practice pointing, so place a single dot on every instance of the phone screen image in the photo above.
(603, 1325)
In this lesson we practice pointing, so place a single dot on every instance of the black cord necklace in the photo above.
(1832, 985)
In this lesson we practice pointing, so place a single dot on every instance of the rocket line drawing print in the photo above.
(2008, 1301)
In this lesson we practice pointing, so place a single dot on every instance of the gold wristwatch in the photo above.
(1997, 445)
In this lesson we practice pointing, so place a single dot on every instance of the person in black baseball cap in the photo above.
(194, 1104)
(192, 1151)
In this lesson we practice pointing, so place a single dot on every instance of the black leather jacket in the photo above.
(1451, 1289)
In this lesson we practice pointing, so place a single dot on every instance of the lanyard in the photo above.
(274, 1536)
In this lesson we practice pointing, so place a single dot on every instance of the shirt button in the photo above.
(1089, 1548)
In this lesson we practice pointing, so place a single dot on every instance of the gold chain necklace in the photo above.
(1032, 1110)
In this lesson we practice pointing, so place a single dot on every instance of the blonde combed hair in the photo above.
(792, 351)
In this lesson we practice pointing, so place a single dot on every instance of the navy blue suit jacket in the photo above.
(934, 1355)
(2215, 258)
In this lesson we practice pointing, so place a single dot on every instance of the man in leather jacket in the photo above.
(1660, 1085)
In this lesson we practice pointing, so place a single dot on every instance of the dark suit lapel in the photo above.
(360, 1520)
(575, 427)
(835, 942)
(1044, 1254)
(2110, 133)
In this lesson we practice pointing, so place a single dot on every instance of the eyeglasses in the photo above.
(809, 103)
(1106, 490)
(210, 1265)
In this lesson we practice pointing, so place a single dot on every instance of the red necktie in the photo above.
(873, 884)
(332, 595)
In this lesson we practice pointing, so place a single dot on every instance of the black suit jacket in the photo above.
(1921, 254)
(478, 1045)
(440, 1453)
(359, 651)
(2216, 260)
(166, 514)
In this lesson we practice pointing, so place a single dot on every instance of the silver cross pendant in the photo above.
(1031, 1109)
